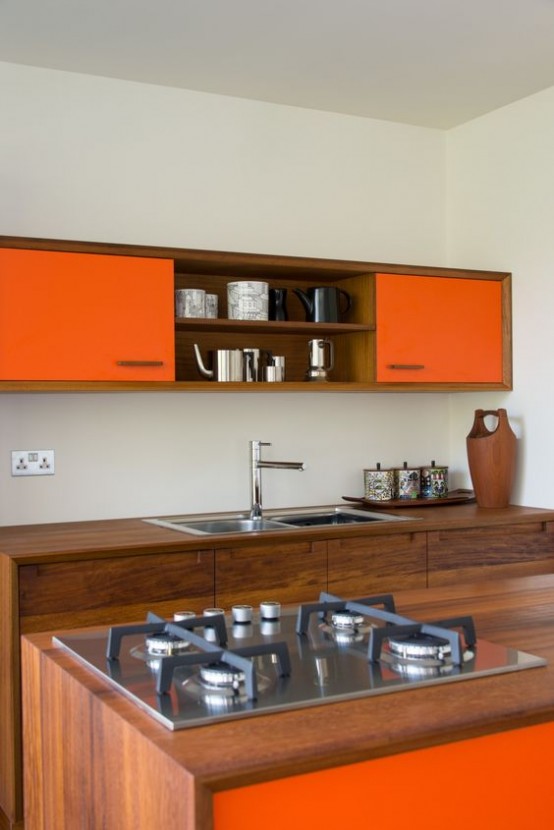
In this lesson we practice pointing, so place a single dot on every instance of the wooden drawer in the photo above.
(286, 573)
(363, 566)
(469, 554)
(102, 591)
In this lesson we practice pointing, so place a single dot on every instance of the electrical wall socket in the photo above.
(33, 463)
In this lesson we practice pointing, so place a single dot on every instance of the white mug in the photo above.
(247, 300)
(211, 305)
(190, 302)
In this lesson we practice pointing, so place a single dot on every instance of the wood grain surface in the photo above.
(115, 739)
(64, 575)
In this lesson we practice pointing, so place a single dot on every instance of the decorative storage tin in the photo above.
(407, 482)
(434, 482)
(379, 484)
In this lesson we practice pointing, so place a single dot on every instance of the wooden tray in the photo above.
(454, 497)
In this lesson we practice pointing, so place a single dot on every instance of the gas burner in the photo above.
(421, 656)
(420, 670)
(221, 676)
(220, 686)
(345, 627)
(420, 646)
(346, 620)
(165, 645)
(157, 646)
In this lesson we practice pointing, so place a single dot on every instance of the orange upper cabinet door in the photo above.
(72, 316)
(438, 330)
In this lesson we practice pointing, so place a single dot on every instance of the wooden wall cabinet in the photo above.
(440, 330)
(82, 316)
(37, 357)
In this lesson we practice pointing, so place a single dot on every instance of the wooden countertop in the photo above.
(515, 612)
(72, 540)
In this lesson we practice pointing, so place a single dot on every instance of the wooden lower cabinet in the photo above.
(494, 552)
(363, 566)
(289, 572)
(52, 596)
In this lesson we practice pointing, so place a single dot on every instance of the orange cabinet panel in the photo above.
(74, 316)
(502, 780)
(438, 329)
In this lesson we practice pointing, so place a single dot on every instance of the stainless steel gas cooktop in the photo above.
(198, 669)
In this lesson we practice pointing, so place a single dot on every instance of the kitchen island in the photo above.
(482, 749)
(77, 574)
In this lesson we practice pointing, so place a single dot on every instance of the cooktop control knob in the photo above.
(270, 610)
(242, 613)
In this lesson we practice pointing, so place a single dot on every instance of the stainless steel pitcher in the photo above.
(227, 364)
(321, 359)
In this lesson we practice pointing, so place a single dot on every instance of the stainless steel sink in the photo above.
(210, 525)
(335, 517)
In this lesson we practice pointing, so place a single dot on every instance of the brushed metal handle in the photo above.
(406, 366)
(139, 362)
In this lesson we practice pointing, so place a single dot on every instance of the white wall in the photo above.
(102, 160)
(501, 216)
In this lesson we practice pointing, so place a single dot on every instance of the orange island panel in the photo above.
(504, 780)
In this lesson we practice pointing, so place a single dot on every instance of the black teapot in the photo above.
(323, 304)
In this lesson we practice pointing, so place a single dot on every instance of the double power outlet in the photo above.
(33, 463)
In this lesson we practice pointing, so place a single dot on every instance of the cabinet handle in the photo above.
(139, 362)
(406, 366)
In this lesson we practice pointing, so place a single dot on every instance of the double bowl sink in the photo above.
(209, 525)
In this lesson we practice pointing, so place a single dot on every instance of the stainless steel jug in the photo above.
(321, 359)
(227, 364)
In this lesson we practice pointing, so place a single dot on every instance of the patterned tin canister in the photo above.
(407, 482)
(379, 484)
(434, 482)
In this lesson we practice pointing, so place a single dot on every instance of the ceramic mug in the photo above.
(247, 300)
(190, 302)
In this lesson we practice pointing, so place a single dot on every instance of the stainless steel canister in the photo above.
(378, 484)
(407, 482)
(434, 482)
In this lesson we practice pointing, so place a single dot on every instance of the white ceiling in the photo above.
(434, 63)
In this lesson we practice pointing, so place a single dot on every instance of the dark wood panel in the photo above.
(63, 594)
(362, 566)
(286, 573)
(490, 553)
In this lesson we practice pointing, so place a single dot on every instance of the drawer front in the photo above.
(285, 573)
(102, 591)
(490, 553)
(362, 567)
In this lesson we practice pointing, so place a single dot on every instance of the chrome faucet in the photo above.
(256, 467)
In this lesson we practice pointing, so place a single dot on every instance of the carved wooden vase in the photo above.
(492, 458)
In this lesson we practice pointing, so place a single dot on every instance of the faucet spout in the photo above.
(256, 467)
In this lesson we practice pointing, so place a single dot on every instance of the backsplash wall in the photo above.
(102, 160)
